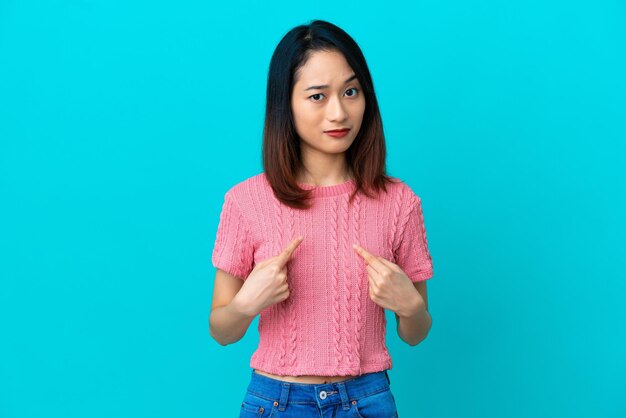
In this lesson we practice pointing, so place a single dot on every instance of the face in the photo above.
(326, 96)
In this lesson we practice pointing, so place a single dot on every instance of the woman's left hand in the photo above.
(389, 286)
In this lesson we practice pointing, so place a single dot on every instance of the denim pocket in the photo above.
(377, 405)
(254, 406)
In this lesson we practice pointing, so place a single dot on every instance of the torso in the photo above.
(306, 379)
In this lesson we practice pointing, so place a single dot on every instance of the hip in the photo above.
(364, 396)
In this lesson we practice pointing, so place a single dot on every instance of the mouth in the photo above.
(337, 133)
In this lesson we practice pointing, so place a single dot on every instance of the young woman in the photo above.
(284, 246)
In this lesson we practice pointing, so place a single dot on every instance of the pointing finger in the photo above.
(390, 264)
(373, 275)
(370, 259)
(283, 257)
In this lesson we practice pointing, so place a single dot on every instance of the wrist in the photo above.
(414, 308)
(241, 308)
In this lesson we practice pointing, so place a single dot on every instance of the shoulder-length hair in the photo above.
(281, 144)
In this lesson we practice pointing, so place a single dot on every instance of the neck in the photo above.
(323, 169)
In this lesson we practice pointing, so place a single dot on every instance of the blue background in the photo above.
(122, 124)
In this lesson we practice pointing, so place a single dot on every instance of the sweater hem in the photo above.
(323, 371)
(420, 277)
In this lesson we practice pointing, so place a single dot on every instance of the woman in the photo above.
(284, 246)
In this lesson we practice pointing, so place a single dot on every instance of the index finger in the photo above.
(371, 260)
(283, 257)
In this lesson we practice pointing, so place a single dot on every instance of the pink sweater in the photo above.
(328, 326)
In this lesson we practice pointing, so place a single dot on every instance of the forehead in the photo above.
(324, 67)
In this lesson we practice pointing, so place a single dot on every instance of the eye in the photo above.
(320, 94)
(355, 91)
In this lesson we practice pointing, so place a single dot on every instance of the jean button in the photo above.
(323, 394)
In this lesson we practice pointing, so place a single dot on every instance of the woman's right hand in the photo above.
(267, 283)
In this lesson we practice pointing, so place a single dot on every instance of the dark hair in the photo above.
(281, 144)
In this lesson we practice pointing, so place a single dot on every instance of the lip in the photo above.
(338, 130)
(337, 133)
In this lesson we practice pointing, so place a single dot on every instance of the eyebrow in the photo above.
(325, 86)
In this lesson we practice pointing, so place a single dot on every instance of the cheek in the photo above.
(357, 113)
(306, 118)
(360, 108)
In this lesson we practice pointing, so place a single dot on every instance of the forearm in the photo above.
(228, 324)
(414, 325)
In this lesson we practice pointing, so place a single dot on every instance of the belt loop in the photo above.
(284, 395)
(387, 376)
(345, 401)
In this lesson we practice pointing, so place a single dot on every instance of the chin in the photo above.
(341, 146)
(332, 146)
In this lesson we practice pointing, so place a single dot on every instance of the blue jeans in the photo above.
(365, 396)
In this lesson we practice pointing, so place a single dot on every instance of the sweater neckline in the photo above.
(331, 190)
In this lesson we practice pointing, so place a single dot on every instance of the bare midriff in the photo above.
(306, 378)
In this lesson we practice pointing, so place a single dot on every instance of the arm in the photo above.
(413, 326)
(228, 322)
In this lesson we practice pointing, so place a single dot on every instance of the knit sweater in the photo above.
(328, 326)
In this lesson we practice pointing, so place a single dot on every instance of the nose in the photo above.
(335, 111)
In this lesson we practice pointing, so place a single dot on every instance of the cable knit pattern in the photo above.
(293, 308)
(347, 304)
(360, 274)
(328, 326)
(334, 254)
(281, 307)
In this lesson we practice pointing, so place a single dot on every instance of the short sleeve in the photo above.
(412, 254)
(233, 251)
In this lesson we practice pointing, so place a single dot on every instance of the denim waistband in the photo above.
(325, 393)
